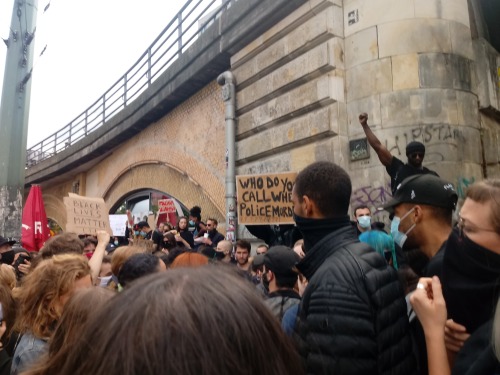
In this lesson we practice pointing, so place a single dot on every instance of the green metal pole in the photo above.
(14, 113)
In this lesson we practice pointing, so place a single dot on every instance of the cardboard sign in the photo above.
(86, 215)
(118, 224)
(265, 199)
(166, 206)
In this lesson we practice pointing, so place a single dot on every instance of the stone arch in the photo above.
(161, 177)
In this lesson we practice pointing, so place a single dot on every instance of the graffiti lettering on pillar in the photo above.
(371, 196)
(462, 184)
(430, 135)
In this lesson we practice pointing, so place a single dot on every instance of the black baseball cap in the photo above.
(424, 189)
(4, 241)
(281, 260)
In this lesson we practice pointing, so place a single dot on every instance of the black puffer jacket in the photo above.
(352, 318)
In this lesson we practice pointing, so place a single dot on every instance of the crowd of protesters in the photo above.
(334, 294)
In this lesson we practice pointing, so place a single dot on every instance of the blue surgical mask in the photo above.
(136, 232)
(116, 243)
(400, 238)
(364, 221)
(143, 234)
(191, 222)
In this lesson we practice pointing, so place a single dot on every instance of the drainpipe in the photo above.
(226, 80)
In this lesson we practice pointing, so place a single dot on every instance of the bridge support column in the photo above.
(14, 113)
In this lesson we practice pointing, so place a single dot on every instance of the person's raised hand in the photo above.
(363, 118)
(103, 237)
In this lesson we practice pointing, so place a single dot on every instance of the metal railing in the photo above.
(182, 31)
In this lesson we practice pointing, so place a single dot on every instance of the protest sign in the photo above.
(118, 224)
(166, 206)
(86, 215)
(265, 199)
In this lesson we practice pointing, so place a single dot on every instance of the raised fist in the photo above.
(363, 118)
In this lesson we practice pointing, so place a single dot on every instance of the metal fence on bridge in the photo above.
(193, 18)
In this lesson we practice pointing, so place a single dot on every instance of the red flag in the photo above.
(35, 226)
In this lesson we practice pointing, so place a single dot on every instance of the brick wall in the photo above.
(183, 155)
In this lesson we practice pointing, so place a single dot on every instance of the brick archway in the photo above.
(159, 176)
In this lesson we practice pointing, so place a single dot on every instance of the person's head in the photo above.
(143, 228)
(382, 243)
(77, 311)
(422, 205)
(224, 248)
(6, 252)
(8, 309)
(183, 306)
(195, 214)
(189, 259)
(61, 244)
(121, 254)
(167, 227)
(211, 225)
(480, 214)
(415, 151)
(105, 267)
(173, 253)
(182, 224)
(262, 249)
(169, 240)
(363, 215)
(89, 244)
(279, 267)
(137, 266)
(321, 190)
(242, 252)
(7, 276)
(161, 227)
(45, 291)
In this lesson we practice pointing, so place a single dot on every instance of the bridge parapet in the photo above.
(194, 18)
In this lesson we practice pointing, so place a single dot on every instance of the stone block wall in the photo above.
(291, 103)
(412, 65)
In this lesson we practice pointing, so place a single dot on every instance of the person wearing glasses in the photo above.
(415, 151)
(471, 272)
(212, 237)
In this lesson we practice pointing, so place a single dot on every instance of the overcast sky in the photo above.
(90, 45)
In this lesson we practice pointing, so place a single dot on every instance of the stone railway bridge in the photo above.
(423, 69)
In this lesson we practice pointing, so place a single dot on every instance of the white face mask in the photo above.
(364, 221)
(400, 238)
(104, 281)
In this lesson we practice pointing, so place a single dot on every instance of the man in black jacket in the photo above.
(352, 318)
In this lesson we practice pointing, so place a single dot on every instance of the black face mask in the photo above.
(470, 278)
(7, 257)
(219, 255)
(313, 230)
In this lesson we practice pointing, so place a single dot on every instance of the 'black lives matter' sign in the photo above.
(86, 215)
(265, 199)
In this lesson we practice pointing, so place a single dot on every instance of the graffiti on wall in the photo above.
(432, 134)
(462, 184)
(371, 196)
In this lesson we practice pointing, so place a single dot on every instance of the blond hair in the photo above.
(39, 297)
(7, 276)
